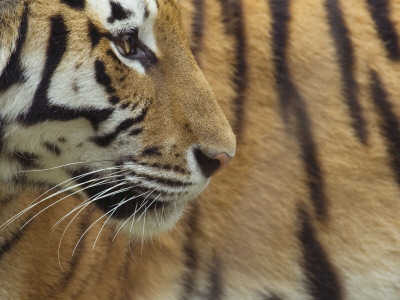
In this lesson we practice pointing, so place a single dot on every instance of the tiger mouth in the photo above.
(124, 200)
(132, 203)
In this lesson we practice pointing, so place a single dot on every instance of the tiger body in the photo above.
(308, 207)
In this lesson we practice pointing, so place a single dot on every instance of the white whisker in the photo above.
(84, 204)
(65, 165)
(53, 168)
(136, 210)
(133, 217)
(62, 236)
(12, 219)
(155, 199)
(91, 199)
(114, 209)
(67, 196)
(144, 224)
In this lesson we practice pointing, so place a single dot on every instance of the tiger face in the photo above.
(105, 101)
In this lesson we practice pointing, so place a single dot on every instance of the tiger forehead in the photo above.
(123, 15)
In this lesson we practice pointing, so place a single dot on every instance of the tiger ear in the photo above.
(13, 26)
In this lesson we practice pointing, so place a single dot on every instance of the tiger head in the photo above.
(103, 99)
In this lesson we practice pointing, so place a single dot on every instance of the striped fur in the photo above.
(307, 210)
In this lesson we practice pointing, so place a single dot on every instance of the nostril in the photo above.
(209, 166)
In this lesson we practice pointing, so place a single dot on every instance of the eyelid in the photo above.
(125, 31)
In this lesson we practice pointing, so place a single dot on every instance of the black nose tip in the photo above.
(211, 165)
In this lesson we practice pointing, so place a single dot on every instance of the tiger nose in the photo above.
(210, 165)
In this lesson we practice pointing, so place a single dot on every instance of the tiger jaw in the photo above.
(139, 203)
(151, 222)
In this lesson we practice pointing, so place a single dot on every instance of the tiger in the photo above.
(107, 198)
(104, 102)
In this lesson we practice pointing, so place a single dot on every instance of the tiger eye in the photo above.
(127, 44)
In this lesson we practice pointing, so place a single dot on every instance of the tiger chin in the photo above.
(106, 102)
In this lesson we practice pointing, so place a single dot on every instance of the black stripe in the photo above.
(114, 100)
(9, 243)
(152, 151)
(389, 123)
(94, 34)
(41, 110)
(280, 35)
(272, 297)
(75, 4)
(175, 168)
(190, 252)
(197, 27)
(80, 249)
(180, 170)
(53, 148)
(108, 244)
(161, 180)
(106, 140)
(27, 160)
(215, 291)
(233, 20)
(102, 76)
(380, 13)
(345, 56)
(13, 73)
(7, 199)
(136, 131)
(321, 278)
(118, 12)
(292, 104)
(2, 132)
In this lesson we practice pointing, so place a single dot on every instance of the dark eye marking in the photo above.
(118, 12)
(153, 151)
